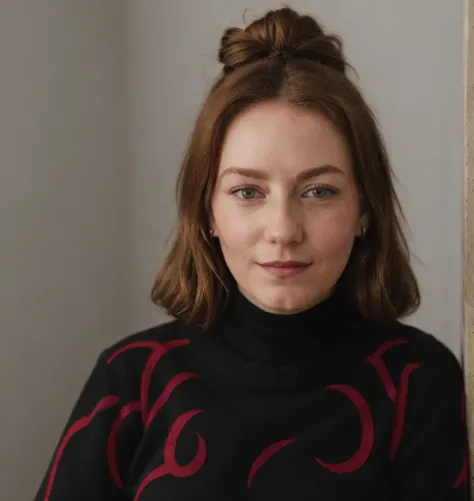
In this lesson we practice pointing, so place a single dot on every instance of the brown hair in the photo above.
(286, 56)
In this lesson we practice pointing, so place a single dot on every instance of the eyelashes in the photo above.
(248, 192)
(329, 191)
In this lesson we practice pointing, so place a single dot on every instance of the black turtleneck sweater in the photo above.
(321, 405)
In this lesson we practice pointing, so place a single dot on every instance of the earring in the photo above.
(211, 232)
(364, 231)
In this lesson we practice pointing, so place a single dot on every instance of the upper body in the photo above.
(326, 406)
(287, 371)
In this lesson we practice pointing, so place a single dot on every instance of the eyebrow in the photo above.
(302, 176)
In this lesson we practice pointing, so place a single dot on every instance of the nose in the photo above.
(283, 224)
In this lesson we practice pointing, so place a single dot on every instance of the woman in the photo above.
(286, 374)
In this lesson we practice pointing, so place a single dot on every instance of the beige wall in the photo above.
(469, 227)
(62, 217)
(84, 226)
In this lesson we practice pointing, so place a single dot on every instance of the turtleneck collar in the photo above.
(282, 339)
(249, 347)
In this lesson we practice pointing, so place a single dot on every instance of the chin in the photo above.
(286, 300)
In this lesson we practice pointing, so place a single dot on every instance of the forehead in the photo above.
(283, 139)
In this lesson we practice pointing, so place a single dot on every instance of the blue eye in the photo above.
(321, 192)
(246, 193)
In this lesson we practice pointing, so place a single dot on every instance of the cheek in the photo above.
(235, 236)
(235, 231)
(333, 235)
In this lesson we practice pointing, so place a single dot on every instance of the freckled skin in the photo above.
(282, 217)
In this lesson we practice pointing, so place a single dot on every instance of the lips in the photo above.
(284, 269)
(284, 264)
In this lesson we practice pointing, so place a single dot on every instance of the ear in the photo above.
(362, 225)
(212, 227)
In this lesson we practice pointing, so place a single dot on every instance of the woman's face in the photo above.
(285, 206)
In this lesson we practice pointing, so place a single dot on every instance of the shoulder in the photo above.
(425, 348)
(158, 334)
(127, 358)
(406, 349)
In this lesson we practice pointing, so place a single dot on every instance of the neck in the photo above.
(271, 337)
(282, 311)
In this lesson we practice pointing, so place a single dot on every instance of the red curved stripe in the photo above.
(463, 477)
(157, 353)
(158, 350)
(381, 368)
(166, 393)
(131, 346)
(125, 411)
(170, 466)
(170, 448)
(264, 456)
(388, 345)
(367, 442)
(104, 404)
(401, 408)
(147, 344)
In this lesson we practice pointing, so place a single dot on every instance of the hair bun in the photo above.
(281, 33)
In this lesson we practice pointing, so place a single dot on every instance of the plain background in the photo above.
(97, 98)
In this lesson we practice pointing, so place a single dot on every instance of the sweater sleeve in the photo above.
(96, 448)
(431, 461)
